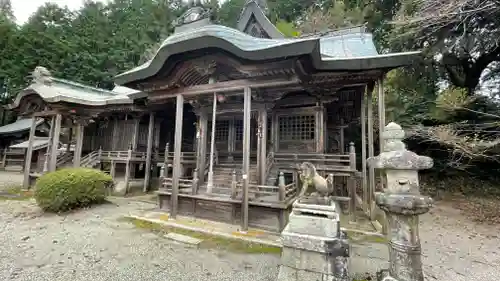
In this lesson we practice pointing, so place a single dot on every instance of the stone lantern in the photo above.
(402, 203)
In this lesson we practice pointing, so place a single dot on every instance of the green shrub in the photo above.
(71, 188)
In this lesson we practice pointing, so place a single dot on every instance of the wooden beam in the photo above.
(29, 154)
(147, 171)
(79, 145)
(179, 112)
(221, 87)
(55, 143)
(45, 113)
(246, 154)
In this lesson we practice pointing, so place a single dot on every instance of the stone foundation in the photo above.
(314, 249)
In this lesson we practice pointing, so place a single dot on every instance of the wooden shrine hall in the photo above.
(221, 117)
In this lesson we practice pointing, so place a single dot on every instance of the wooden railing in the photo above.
(64, 158)
(183, 183)
(315, 158)
(90, 159)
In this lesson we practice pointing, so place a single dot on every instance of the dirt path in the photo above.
(454, 248)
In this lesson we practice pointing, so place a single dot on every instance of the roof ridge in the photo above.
(81, 85)
(357, 29)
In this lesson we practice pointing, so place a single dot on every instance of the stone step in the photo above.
(184, 239)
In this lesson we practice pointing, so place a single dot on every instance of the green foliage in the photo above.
(287, 28)
(71, 188)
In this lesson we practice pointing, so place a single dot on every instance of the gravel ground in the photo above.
(94, 245)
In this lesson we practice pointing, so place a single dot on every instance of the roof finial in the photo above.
(195, 17)
(41, 75)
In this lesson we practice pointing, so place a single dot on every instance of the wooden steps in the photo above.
(223, 174)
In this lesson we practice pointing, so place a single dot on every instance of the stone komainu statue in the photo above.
(41, 75)
(312, 183)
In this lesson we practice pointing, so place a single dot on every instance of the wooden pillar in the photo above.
(263, 146)
(274, 132)
(135, 136)
(319, 130)
(371, 152)
(127, 168)
(352, 182)
(55, 143)
(112, 170)
(203, 146)
(246, 154)
(341, 136)
(70, 136)
(115, 134)
(381, 112)
(29, 154)
(381, 121)
(4, 157)
(46, 163)
(79, 145)
(179, 115)
(147, 170)
(363, 152)
(156, 146)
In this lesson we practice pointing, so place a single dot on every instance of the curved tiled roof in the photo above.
(358, 48)
(59, 90)
(20, 125)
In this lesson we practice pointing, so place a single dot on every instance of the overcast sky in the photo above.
(24, 8)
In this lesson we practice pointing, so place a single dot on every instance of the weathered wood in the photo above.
(79, 145)
(127, 169)
(212, 142)
(352, 183)
(147, 175)
(364, 179)
(29, 154)
(381, 114)
(246, 154)
(55, 143)
(112, 170)
(156, 144)
(203, 146)
(263, 146)
(70, 136)
(114, 138)
(371, 152)
(234, 185)
(45, 113)
(4, 157)
(342, 137)
(222, 87)
(179, 112)
(319, 129)
(46, 161)
(135, 136)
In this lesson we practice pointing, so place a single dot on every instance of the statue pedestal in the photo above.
(313, 246)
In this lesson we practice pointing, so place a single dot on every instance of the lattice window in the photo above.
(221, 129)
(298, 127)
(238, 130)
